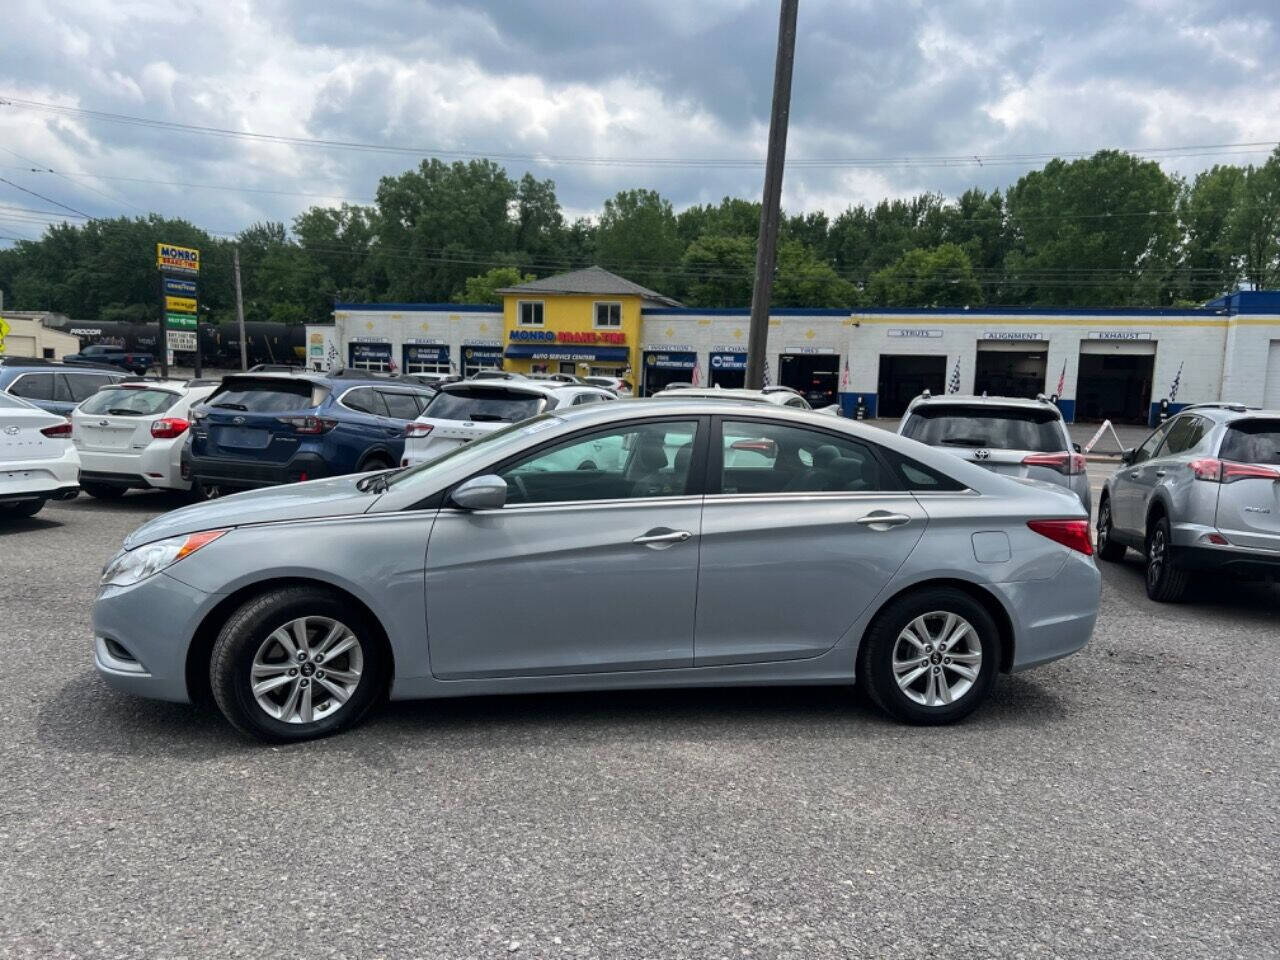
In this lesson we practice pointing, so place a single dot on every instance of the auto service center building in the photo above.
(1117, 364)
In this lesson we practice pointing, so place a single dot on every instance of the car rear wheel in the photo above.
(102, 491)
(295, 664)
(1165, 582)
(931, 657)
(374, 464)
(1108, 549)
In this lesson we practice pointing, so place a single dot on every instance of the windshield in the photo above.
(489, 445)
(483, 404)
(129, 402)
(996, 428)
(1252, 441)
(266, 395)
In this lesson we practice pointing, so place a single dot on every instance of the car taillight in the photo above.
(309, 425)
(1228, 471)
(1069, 533)
(166, 428)
(57, 430)
(418, 430)
(1068, 464)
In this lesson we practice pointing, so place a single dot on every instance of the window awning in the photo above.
(525, 351)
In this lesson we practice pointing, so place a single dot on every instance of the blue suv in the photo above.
(260, 429)
(53, 386)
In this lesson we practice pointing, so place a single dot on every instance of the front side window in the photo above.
(1148, 448)
(773, 458)
(642, 460)
(609, 315)
(1183, 435)
(529, 313)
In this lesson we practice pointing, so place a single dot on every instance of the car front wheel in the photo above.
(295, 664)
(931, 657)
(1108, 548)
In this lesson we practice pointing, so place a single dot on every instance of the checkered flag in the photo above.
(1173, 387)
(767, 381)
(954, 385)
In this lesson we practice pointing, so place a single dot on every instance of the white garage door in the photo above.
(1271, 392)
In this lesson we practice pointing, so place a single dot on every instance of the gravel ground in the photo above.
(1122, 803)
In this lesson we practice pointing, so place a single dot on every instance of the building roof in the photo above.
(591, 280)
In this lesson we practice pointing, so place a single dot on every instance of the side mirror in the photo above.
(1126, 456)
(1076, 448)
(488, 492)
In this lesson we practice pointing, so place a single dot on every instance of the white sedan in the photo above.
(131, 434)
(462, 412)
(37, 461)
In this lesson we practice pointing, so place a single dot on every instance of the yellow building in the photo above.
(586, 322)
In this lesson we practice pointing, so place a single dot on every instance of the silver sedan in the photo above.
(620, 545)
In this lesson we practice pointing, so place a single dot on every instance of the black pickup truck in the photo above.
(99, 353)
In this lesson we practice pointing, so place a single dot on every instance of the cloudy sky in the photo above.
(678, 88)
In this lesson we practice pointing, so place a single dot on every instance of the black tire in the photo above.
(1108, 548)
(875, 673)
(244, 633)
(102, 491)
(1165, 582)
(375, 463)
(22, 508)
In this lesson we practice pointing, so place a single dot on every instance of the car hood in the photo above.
(331, 497)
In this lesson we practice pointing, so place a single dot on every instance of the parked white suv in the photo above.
(37, 461)
(131, 435)
(461, 412)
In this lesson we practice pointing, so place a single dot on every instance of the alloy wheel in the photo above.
(1104, 524)
(307, 670)
(1156, 557)
(937, 658)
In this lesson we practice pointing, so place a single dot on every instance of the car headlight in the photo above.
(132, 566)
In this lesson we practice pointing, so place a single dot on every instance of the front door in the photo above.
(1133, 482)
(800, 531)
(592, 566)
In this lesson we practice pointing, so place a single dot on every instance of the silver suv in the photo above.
(1016, 437)
(1202, 493)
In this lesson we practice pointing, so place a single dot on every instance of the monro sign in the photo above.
(177, 259)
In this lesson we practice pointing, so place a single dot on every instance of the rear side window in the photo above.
(267, 396)
(365, 400)
(129, 402)
(1252, 441)
(916, 477)
(995, 428)
(400, 405)
(484, 405)
(33, 386)
(85, 385)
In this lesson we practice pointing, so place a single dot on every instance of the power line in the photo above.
(41, 196)
(1164, 152)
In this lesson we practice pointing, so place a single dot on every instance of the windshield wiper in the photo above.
(121, 412)
(485, 418)
(964, 442)
(231, 406)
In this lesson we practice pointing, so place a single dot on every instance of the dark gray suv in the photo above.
(1201, 493)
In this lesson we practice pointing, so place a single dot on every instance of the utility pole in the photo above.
(767, 244)
(244, 347)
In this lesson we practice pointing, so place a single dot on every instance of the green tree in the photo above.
(637, 238)
(480, 288)
(718, 270)
(1208, 264)
(939, 277)
(803, 280)
(1254, 224)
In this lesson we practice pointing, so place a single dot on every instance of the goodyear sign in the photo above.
(179, 304)
(177, 259)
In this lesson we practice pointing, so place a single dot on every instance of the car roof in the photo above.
(29, 363)
(970, 400)
(324, 379)
(540, 388)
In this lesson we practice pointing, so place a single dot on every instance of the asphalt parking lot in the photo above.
(1124, 802)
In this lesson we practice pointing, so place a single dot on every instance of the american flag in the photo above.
(844, 377)
(954, 385)
(697, 373)
(1062, 379)
(1173, 387)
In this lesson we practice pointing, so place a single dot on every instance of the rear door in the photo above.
(1249, 500)
(248, 418)
(801, 529)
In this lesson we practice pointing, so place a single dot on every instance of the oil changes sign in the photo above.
(174, 259)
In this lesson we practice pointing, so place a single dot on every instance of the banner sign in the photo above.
(180, 321)
(671, 361)
(728, 361)
(184, 340)
(809, 350)
(179, 305)
(914, 332)
(177, 259)
(1119, 334)
(1012, 335)
(174, 287)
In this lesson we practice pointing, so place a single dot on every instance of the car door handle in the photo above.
(883, 520)
(662, 535)
(1161, 473)
(1135, 475)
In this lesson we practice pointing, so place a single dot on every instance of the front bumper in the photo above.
(250, 474)
(149, 627)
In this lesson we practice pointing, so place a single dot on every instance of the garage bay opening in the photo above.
(1114, 382)
(903, 377)
(1010, 369)
(816, 376)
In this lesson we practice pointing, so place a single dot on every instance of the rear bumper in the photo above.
(1053, 618)
(1228, 560)
(66, 492)
(56, 478)
(249, 474)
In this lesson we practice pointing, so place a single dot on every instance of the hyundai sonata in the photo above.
(642, 543)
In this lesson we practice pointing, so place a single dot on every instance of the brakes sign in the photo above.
(177, 259)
